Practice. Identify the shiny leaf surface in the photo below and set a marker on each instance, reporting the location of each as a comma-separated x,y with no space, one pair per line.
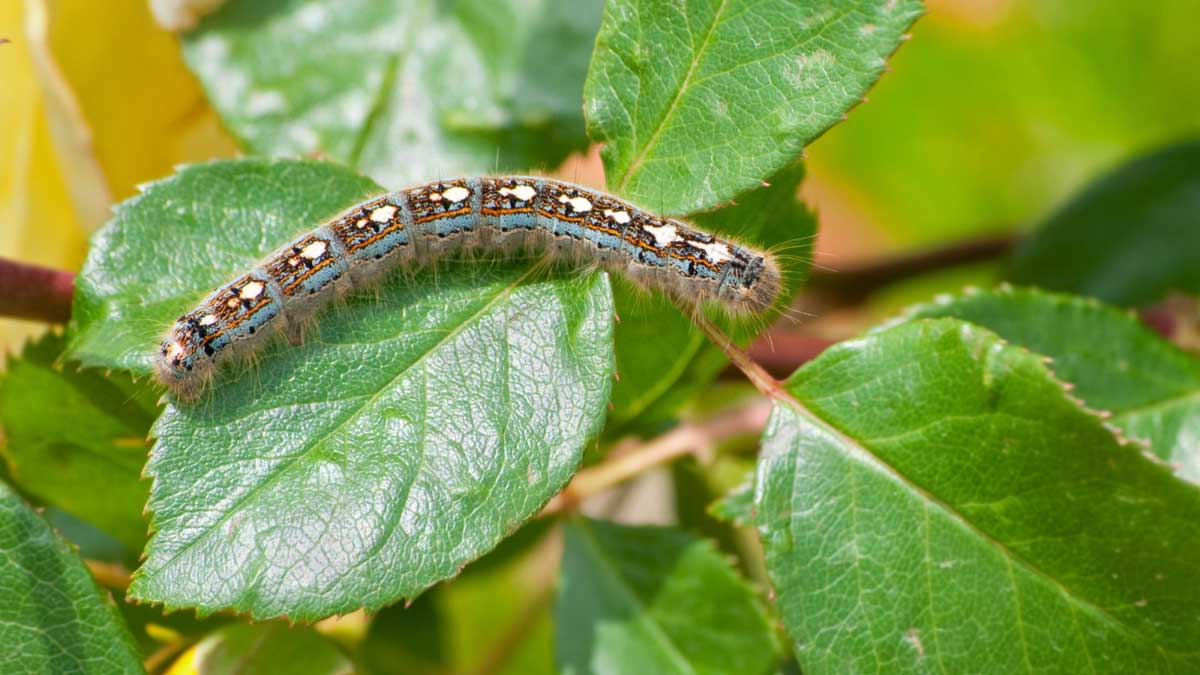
931,499
1116,364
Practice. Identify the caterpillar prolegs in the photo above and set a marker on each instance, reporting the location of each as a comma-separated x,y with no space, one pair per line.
417,225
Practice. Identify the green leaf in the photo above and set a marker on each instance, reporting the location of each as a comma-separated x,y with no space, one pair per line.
1116,364
698,489
77,440
475,410
268,649
737,506
402,91
662,358
412,431
655,600
699,100
88,540
53,619
931,499
1130,238
657,347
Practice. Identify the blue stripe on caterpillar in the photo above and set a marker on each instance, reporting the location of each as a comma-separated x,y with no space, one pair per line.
415,226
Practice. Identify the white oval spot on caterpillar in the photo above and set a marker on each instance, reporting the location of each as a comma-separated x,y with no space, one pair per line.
175,349
619,217
522,192
207,320
663,236
716,251
456,194
435,196
314,250
361,223
383,214
293,261
232,303
251,290
578,204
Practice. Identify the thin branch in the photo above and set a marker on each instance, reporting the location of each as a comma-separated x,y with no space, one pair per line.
853,285
781,351
687,438
108,574
760,378
35,292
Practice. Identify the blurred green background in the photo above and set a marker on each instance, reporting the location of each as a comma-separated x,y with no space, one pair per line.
997,111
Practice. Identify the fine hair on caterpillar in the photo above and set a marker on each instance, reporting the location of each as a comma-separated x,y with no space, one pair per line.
418,226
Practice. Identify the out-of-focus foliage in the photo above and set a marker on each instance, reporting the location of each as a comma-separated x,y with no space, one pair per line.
37,219
401,91
86,456
655,600
998,110
1130,238
263,649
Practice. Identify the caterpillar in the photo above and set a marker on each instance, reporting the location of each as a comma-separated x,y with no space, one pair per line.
417,225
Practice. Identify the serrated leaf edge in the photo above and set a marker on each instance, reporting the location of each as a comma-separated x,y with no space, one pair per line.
785,397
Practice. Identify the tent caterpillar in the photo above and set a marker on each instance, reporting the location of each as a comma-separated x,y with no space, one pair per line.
417,225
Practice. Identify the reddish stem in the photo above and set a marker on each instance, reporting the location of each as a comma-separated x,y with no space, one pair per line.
780,351
853,284
35,292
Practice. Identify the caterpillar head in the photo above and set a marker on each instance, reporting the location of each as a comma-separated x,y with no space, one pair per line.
757,283
181,362
762,284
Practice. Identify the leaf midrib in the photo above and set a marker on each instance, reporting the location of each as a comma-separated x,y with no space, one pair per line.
667,380
316,439
611,570
640,158
785,396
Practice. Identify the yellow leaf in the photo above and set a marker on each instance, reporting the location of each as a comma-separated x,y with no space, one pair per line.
38,222
97,100
143,109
